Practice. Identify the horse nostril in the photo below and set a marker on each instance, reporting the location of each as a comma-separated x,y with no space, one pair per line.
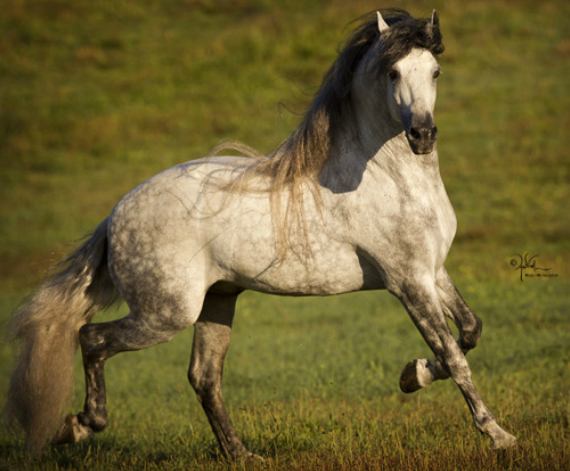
433,132
427,133
415,133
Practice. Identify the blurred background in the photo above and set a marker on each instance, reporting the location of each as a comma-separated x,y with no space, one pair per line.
97,96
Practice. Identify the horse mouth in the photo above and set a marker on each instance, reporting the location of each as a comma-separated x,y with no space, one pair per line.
422,148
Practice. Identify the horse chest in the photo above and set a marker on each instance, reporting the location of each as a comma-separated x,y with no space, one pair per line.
402,219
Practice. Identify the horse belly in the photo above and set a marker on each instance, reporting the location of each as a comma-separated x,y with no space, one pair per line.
248,257
296,279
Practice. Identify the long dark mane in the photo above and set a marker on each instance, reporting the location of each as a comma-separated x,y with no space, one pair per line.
301,157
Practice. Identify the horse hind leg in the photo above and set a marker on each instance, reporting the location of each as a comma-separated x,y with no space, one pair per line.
94,416
212,333
420,373
99,342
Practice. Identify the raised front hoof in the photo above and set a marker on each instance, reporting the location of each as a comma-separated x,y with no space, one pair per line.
72,431
416,375
409,382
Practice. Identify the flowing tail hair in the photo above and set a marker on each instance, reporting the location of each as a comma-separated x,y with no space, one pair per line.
47,328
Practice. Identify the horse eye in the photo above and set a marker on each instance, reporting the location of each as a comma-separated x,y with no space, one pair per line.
436,74
393,75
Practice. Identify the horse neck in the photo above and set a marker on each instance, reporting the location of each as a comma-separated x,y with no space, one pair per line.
370,141
373,125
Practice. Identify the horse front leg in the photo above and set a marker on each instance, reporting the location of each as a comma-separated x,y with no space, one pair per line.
422,372
212,334
421,299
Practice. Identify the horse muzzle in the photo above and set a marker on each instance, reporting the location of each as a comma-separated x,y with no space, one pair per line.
422,138
421,132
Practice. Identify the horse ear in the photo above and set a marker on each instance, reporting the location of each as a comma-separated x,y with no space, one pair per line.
434,32
382,25
434,20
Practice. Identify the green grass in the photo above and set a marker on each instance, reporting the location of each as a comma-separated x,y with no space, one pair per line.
312,384
95,97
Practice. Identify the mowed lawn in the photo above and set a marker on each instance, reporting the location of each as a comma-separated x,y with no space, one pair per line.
96,97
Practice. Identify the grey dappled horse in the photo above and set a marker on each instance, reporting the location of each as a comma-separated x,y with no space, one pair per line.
352,201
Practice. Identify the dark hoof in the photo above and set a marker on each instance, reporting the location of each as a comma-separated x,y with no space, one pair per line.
71,431
65,432
409,378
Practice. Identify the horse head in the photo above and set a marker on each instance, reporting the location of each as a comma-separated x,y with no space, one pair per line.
410,78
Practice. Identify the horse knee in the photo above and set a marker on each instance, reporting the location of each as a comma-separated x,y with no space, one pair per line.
93,339
211,341
206,384
194,378
200,376
470,334
88,339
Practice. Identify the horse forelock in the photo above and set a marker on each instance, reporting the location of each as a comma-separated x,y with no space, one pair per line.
404,34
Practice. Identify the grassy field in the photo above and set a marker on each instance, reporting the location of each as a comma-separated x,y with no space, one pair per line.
97,96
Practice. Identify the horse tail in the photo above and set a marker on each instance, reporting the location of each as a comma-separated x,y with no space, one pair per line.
47,328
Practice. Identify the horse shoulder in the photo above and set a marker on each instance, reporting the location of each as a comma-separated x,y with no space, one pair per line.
398,216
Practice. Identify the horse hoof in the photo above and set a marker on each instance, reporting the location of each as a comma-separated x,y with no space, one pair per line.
72,431
416,375
504,442
409,379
